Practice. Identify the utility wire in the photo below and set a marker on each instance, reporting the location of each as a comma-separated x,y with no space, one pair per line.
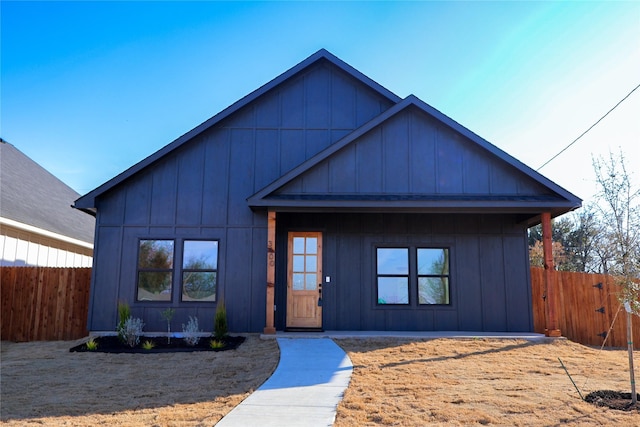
591,127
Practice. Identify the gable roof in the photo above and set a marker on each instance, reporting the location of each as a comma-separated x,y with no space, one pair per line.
87,202
32,196
554,197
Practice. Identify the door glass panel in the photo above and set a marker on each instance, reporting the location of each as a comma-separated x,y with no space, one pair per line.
312,245
298,245
310,284
298,281
298,263
312,263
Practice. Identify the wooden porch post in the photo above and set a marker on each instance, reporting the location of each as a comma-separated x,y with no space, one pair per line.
271,272
551,329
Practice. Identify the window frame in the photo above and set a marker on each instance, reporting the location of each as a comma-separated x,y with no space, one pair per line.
176,272
390,275
413,276
195,270
171,270
440,276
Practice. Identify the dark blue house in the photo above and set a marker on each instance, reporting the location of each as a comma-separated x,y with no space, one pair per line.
322,201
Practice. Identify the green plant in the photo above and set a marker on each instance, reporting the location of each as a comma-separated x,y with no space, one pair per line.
148,345
168,315
92,344
216,344
124,314
220,327
131,331
190,331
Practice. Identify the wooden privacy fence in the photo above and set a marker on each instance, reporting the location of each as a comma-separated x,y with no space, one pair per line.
41,303
587,307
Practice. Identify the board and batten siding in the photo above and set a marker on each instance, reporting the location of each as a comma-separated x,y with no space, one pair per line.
412,153
490,286
200,191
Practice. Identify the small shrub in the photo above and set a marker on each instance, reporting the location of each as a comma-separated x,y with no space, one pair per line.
131,331
220,327
216,344
124,314
92,344
190,331
148,345
168,315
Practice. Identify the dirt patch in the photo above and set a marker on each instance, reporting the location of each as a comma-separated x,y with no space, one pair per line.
45,384
395,382
112,344
613,400
487,382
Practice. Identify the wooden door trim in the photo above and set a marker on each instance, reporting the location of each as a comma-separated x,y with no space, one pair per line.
313,322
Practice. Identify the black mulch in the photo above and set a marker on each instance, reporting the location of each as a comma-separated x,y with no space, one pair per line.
112,344
612,399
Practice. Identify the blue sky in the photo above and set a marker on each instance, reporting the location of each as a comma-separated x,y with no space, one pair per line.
90,88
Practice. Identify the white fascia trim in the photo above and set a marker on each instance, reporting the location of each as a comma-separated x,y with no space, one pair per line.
42,232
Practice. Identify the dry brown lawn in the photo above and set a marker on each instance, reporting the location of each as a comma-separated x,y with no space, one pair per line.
395,382
44,384
480,382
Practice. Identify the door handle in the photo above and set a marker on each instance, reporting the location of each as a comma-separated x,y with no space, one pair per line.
319,294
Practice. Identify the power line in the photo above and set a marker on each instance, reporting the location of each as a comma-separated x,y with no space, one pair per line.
590,127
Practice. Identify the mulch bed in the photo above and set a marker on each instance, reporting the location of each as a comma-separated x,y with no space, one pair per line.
112,344
612,399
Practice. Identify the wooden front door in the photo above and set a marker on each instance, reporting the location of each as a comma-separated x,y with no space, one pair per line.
304,280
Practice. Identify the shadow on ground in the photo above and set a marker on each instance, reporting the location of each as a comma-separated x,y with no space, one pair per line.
43,379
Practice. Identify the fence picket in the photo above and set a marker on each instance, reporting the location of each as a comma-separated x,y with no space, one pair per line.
41,303
578,301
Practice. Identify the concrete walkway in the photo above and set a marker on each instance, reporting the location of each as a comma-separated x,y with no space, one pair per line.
305,389
337,335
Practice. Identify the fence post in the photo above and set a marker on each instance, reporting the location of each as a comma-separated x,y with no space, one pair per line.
551,329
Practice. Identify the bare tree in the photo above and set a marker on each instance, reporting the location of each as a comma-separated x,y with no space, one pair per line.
575,242
620,213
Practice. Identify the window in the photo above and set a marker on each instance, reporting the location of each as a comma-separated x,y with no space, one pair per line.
305,263
393,275
433,276
155,270
401,272
199,270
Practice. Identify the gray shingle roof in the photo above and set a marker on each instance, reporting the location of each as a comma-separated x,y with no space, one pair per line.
31,195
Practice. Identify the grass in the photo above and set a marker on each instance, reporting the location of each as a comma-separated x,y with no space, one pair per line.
92,345
479,382
44,384
148,345
216,344
395,382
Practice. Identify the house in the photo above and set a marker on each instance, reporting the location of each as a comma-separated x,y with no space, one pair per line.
38,227
322,201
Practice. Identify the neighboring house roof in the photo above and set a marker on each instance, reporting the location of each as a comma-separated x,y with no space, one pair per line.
33,199
87,202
